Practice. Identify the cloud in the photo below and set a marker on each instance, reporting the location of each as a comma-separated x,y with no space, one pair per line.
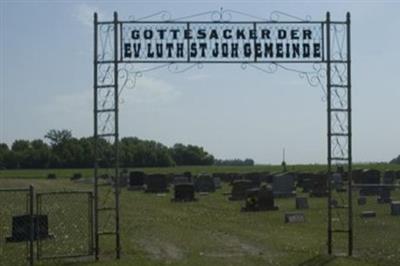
84,14
149,90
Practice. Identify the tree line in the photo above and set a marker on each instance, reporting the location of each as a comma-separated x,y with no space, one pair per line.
60,149
395,160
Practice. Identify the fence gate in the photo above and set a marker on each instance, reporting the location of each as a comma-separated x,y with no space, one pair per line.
66,221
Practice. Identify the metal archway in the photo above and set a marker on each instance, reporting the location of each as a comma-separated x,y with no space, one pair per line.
116,49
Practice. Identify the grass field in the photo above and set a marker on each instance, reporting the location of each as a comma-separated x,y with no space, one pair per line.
213,231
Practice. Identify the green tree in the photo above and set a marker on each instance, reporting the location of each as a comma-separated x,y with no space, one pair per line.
58,137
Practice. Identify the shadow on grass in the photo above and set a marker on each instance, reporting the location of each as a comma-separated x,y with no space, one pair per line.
318,260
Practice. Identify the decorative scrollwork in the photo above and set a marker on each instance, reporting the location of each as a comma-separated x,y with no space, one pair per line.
277,16
314,77
128,74
221,15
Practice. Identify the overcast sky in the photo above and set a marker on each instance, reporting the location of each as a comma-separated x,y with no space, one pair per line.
46,83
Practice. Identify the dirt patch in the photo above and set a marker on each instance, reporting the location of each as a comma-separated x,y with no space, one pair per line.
232,246
161,250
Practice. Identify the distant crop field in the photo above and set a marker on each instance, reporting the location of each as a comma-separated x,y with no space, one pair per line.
88,172
213,231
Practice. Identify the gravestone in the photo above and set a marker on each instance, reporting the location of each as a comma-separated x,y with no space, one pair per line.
233,177
265,177
294,217
76,176
370,177
204,183
319,186
188,175
362,201
259,199
136,180
222,176
368,214
217,182
301,203
184,192
239,188
356,175
254,178
389,177
395,208
180,180
300,178
21,226
156,183
283,185
384,195
337,182
307,185
122,181
51,176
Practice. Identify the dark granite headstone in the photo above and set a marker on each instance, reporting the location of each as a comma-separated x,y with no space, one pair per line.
76,176
307,185
395,208
370,177
188,175
283,185
337,182
239,188
51,176
319,186
21,226
255,178
301,179
122,181
301,203
389,177
384,195
357,175
156,183
136,180
181,180
184,192
259,199
204,183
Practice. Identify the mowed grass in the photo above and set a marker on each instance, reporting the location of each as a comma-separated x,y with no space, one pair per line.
213,231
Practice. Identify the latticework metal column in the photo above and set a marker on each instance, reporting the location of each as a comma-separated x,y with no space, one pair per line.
106,217
340,220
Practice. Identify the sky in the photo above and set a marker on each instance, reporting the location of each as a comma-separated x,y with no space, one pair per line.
46,82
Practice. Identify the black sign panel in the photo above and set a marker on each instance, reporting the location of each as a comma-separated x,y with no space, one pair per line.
221,42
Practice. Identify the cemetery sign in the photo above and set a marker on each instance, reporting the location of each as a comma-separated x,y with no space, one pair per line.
221,42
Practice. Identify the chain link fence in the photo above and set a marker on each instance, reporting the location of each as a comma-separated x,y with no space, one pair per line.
70,228
16,232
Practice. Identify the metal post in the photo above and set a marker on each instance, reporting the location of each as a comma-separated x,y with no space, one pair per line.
116,140
96,222
328,87
349,143
32,225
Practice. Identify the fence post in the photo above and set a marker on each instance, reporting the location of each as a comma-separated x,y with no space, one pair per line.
32,225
